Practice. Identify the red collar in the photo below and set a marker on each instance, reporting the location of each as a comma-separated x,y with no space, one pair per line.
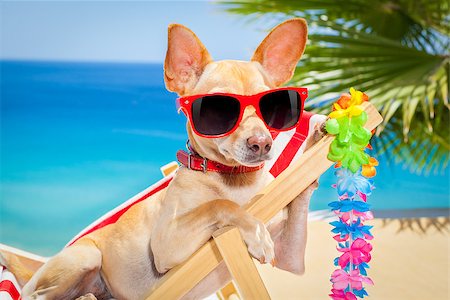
197,163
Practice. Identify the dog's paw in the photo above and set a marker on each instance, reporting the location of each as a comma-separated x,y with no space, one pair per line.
313,186
316,135
259,243
319,131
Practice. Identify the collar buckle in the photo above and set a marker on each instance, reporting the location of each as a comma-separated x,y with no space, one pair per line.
204,165
189,161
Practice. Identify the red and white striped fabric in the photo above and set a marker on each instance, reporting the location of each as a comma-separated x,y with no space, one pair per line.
288,146
9,288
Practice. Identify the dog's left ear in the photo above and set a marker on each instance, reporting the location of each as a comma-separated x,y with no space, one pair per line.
282,48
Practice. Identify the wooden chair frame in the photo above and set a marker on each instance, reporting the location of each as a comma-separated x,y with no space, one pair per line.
265,205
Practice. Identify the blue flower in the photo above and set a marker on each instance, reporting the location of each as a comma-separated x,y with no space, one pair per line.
362,268
360,293
336,261
349,183
348,205
355,230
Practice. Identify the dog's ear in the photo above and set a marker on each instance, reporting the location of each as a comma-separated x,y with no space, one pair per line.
186,59
281,50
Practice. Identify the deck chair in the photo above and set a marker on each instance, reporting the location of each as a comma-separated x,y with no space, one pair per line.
293,172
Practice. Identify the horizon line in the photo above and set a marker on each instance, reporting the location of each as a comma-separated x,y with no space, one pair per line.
86,61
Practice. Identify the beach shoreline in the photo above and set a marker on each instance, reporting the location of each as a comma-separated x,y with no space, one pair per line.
326,214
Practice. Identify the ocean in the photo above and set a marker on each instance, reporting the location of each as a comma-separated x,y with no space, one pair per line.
78,139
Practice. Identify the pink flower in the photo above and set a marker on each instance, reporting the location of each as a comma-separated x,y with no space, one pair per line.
338,238
362,196
341,295
341,280
358,252
345,216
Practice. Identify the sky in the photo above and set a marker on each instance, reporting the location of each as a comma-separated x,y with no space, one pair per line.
119,31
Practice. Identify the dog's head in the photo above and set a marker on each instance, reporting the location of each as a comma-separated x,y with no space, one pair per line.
190,70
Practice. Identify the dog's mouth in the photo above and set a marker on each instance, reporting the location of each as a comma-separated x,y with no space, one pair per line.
247,158
251,162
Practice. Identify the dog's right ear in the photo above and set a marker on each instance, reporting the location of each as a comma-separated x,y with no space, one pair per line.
186,59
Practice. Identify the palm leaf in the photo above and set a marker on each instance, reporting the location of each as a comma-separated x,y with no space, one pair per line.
404,67
424,151
406,84
391,18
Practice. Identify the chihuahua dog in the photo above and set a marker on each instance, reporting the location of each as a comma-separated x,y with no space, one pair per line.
125,259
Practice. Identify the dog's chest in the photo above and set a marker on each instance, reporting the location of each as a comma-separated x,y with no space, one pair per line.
242,194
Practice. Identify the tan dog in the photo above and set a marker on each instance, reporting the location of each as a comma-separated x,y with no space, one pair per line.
124,260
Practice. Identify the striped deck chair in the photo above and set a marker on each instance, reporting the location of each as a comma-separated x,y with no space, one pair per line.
9,287
288,146
288,165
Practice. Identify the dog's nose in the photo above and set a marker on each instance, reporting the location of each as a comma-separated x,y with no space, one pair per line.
259,144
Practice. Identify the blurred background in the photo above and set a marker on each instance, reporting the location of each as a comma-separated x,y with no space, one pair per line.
86,122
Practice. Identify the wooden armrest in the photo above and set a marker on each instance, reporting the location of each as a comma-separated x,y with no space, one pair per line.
240,264
298,176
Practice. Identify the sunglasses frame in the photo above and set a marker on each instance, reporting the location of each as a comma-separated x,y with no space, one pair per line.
184,104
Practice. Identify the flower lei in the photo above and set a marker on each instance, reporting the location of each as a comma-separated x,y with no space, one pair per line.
354,167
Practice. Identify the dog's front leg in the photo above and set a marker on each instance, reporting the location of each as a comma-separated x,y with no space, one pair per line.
176,238
290,235
290,243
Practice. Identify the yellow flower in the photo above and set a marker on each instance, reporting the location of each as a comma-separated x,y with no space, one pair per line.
349,105
356,96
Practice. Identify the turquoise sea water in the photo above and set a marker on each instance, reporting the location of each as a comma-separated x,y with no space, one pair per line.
77,139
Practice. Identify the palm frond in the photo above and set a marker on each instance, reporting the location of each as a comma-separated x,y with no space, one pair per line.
405,83
391,18
396,50
425,151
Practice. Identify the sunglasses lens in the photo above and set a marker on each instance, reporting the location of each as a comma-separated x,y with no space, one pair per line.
281,109
215,115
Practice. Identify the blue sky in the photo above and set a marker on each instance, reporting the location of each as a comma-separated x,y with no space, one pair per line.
119,31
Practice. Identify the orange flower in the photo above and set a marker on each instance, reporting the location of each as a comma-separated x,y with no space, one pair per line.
344,101
369,169
365,97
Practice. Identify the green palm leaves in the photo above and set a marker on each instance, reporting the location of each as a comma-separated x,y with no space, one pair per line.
397,51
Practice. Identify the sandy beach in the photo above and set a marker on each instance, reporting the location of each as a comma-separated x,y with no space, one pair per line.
410,260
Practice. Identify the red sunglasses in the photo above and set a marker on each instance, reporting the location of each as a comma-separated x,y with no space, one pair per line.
219,114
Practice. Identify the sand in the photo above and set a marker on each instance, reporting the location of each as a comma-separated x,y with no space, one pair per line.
410,260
